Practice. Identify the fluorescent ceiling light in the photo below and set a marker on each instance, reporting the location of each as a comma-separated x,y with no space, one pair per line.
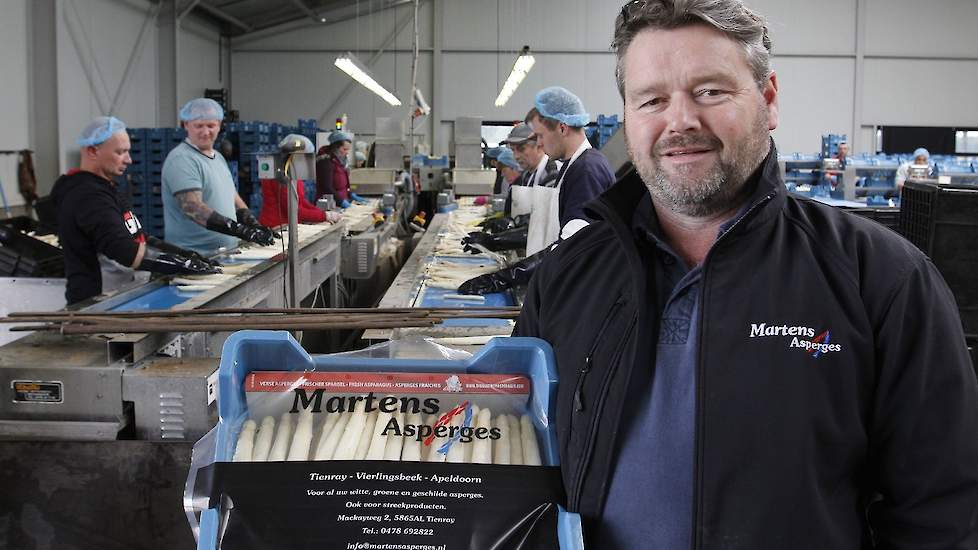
522,66
350,65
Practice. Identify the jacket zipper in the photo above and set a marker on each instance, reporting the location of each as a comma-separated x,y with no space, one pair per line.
579,390
694,542
599,404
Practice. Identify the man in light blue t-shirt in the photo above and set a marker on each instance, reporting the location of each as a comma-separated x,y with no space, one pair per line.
201,209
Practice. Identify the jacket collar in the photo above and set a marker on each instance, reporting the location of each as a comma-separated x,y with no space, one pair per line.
618,204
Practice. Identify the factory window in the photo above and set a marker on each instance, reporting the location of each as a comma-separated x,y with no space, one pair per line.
495,132
966,142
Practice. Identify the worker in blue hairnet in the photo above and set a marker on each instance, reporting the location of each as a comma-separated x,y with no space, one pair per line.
558,119
332,176
97,230
921,158
201,208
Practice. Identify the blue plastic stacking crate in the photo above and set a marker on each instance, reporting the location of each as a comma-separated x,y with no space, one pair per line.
248,351
609,120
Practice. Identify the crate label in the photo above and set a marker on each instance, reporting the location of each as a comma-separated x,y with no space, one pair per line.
35,391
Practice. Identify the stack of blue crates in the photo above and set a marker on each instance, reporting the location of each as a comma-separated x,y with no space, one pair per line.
149,147
607,126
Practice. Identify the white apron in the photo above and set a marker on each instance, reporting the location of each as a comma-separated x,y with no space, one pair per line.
522,200
544,228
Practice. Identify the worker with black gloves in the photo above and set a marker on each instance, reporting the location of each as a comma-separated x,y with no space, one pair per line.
557,119
202,211
510,239
513,275
95,224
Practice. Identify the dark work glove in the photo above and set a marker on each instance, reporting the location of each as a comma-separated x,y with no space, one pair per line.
497,225
245,216
518,273
174,249
506,240
251,233
166,263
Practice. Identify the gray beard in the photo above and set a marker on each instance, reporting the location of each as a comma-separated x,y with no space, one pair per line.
716,192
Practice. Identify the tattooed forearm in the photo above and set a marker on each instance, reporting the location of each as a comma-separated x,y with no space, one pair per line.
192,204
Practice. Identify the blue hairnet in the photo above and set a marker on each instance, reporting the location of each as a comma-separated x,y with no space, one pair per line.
506,158
358,155
201,108
921,151
561,105
338,136
99,130
494,152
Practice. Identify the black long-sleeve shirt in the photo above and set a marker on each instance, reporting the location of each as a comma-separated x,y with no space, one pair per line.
92,219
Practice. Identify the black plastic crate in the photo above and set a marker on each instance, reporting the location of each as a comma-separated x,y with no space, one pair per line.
888,217
942,220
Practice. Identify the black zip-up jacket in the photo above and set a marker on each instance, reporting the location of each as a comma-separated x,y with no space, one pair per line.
836,405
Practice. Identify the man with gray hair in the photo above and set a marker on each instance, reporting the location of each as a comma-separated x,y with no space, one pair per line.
754,370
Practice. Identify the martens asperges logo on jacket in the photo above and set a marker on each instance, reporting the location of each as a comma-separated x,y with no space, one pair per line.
807,339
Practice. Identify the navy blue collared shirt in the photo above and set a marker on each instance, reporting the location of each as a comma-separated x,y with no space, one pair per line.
650,498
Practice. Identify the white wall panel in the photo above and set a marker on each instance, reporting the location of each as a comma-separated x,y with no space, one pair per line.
199,65
800,27
106,31
14,97
904,92
543,25
937,28
815,98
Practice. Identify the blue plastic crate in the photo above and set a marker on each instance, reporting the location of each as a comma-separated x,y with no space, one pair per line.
248,351
609,120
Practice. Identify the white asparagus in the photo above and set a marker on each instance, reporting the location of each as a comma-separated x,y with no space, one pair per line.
531,451
327,449
501,447
411,452
324,430
392,450
482,448
302,440
378,439
470,446
456,453
283,439
363,445
347,447
436,443
515,440
246,442
263,443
